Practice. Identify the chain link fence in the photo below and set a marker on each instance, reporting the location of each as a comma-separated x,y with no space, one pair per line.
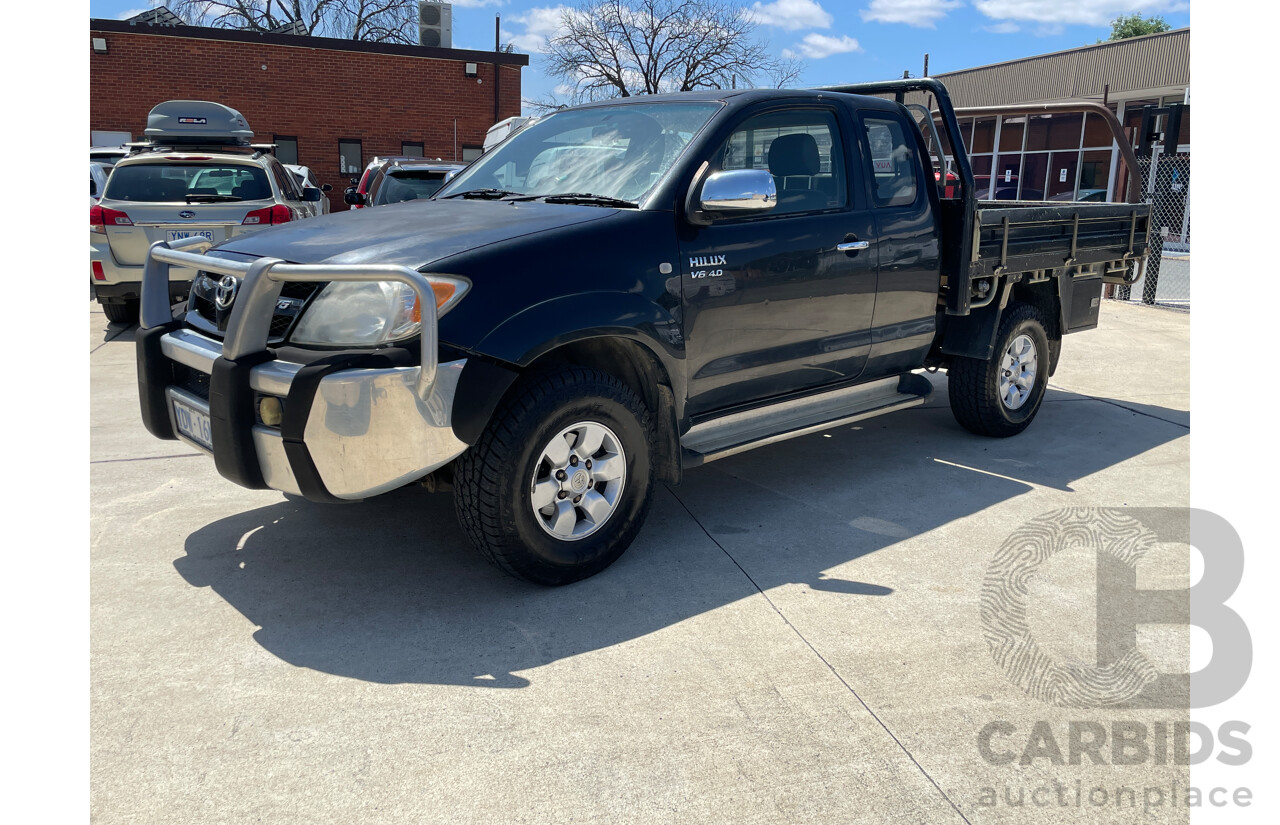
1166,281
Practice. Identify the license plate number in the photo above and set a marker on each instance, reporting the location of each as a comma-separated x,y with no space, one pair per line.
193,423
179,234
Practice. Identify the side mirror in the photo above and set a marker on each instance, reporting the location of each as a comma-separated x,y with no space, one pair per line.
353,198
324,187
736,192
310,194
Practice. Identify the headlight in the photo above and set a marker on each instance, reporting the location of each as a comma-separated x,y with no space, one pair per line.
369,313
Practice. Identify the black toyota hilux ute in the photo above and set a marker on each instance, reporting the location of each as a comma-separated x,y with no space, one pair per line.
618,293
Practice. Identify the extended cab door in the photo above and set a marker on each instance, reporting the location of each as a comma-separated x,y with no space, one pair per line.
899,188
771,306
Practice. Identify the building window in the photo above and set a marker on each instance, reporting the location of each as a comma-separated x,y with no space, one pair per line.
1097,134
1062,175
1055,131
350,157
1012,130
1095,166
286,149
411,150
470,153
984,136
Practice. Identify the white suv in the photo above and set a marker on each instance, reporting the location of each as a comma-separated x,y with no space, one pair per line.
198,175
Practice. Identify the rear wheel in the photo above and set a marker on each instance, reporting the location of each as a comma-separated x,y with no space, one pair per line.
1000,396
560,481
123,313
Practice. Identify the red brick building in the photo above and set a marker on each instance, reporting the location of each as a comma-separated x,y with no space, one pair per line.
335,104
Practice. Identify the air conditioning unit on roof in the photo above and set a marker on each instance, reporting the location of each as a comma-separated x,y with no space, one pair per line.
435,24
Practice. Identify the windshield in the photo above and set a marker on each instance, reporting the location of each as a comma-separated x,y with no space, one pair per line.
611,151
177,182
408,185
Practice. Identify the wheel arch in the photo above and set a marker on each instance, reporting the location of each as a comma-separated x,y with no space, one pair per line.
642,370
974,335
622,334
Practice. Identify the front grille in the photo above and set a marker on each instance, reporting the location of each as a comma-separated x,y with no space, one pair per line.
293,298
193,381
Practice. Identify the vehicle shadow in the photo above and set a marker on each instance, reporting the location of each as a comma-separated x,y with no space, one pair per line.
104,331
390,591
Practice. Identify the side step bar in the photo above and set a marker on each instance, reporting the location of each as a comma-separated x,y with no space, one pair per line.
741,431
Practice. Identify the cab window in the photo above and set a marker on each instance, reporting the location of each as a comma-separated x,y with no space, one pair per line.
800,149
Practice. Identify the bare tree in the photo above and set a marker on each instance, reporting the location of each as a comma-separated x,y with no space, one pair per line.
620,48
388,21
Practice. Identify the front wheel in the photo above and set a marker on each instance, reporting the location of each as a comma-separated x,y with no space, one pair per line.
1000,396
559,483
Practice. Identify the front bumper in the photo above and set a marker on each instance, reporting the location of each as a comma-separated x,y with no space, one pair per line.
354,425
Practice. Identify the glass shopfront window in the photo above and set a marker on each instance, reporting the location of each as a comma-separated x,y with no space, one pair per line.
1057,131
1062,175
1035,166
1095,168
981,175
1097,134
1052,156
1011,129
1008,173
984,135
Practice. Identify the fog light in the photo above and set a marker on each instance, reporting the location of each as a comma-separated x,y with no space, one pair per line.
271,411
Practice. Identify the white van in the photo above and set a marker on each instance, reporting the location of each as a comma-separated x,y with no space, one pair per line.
499,131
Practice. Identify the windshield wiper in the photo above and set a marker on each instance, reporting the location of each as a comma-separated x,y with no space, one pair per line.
581,197
212,198
487,194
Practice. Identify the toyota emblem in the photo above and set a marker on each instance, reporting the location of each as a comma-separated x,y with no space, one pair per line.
186,213
226,293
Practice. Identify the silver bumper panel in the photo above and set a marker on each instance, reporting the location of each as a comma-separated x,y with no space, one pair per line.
367,432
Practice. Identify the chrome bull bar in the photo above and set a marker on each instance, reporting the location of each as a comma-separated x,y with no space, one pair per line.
261,281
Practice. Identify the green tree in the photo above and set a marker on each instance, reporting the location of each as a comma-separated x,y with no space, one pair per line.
1135,25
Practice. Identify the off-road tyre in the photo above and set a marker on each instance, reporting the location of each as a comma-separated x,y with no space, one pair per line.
493,480
126,313
973,385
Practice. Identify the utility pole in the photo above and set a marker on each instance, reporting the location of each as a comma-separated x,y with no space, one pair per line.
497,68
926,65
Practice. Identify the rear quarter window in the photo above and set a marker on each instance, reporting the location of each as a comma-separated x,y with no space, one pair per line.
894,181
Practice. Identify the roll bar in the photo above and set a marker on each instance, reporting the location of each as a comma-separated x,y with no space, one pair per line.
1072,107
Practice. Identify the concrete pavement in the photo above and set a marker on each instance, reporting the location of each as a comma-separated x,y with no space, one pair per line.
795,636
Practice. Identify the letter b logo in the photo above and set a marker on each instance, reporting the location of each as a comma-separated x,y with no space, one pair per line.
1122,676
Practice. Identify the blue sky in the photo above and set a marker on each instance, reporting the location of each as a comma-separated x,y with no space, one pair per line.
839,40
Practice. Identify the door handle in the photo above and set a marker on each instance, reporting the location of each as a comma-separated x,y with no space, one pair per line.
853,246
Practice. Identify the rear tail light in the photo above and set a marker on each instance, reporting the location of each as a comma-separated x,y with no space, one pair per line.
268,216
98,274
101,217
